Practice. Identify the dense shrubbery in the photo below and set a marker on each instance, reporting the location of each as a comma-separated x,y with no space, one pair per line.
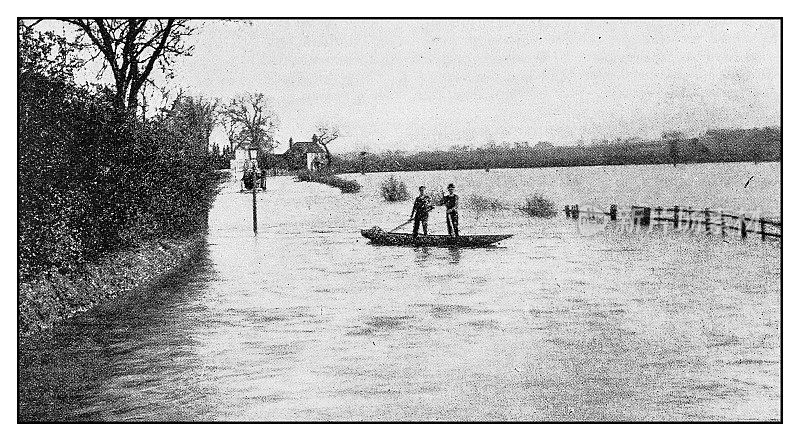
93,180
483,203
538,206
347,186
303,176
394,190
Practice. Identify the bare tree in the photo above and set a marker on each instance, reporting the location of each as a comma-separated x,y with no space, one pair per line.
132,48
249,119
326,133
231,128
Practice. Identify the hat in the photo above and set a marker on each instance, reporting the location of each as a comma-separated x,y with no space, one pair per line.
451,186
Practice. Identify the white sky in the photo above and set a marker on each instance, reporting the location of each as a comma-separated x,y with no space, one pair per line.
417,85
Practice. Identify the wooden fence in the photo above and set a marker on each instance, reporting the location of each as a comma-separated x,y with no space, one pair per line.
678,217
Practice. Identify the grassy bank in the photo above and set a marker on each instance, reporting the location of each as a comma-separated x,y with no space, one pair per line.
52,296
347,186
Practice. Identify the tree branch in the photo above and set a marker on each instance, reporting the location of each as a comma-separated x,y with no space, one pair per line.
156,53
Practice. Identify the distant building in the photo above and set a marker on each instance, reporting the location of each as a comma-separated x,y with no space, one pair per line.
308,155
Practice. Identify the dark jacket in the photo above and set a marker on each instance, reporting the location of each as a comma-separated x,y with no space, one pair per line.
422,205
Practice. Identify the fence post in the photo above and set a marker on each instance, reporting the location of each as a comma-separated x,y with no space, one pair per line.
675,216
761,224
722,222
645,216
707,213
612,212
566,210
743,225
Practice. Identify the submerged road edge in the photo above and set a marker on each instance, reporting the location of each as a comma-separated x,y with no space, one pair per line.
52,297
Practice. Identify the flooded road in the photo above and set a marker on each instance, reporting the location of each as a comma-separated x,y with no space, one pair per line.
307,321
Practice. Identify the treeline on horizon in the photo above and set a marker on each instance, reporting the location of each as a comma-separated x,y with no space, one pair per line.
717,145
95,176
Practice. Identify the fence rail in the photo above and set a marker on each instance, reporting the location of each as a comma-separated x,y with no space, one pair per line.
692,217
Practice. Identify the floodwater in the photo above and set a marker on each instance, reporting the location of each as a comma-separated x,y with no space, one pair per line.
308,321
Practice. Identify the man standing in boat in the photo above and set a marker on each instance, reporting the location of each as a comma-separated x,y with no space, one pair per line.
422,205
450,201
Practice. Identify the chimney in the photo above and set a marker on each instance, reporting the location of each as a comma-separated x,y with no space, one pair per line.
290,143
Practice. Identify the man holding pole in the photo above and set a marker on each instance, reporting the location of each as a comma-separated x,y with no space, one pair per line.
422,205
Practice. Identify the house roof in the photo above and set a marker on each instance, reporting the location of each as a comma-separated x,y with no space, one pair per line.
307,147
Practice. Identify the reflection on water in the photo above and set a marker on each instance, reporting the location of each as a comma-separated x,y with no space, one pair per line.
455,254
423,255
73,372
308,322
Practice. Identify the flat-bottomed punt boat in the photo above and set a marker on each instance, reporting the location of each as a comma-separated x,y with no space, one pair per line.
379,237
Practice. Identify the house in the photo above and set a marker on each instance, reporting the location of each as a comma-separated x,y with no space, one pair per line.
308,155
